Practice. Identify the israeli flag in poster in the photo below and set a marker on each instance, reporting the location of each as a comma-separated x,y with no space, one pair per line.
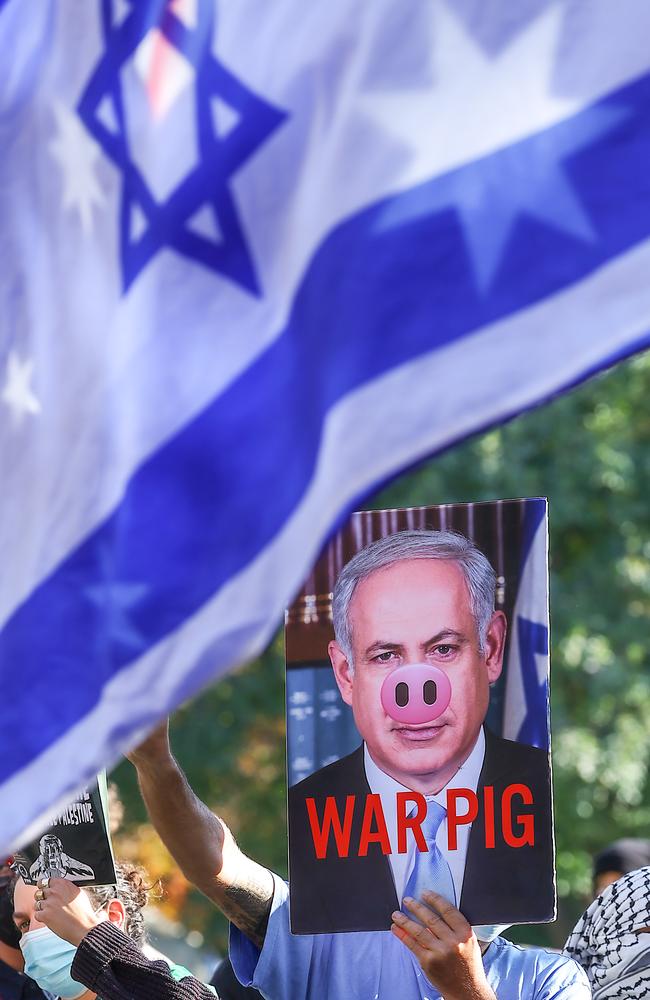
257,258
527,702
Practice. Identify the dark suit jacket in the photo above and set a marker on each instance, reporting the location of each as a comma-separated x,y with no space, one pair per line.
502,885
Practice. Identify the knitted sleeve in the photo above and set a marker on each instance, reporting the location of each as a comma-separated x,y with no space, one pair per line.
110,964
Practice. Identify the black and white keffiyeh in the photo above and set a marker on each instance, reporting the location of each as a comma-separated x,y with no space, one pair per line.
607,941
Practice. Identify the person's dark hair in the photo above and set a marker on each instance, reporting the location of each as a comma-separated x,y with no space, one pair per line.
133,892
622,856
9,933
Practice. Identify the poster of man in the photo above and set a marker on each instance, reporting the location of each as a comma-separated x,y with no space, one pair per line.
76,845
53,862
435,628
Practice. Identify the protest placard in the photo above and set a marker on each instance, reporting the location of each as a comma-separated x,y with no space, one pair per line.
76,844
418,719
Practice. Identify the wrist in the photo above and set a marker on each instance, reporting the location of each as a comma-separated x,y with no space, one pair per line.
485,993
473,985
77,934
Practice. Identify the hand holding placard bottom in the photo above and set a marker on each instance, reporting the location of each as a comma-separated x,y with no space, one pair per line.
430,869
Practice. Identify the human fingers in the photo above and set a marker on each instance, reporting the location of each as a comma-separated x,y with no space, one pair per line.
59,896
67,911
422,954
416,932
43,883
46,911
430,918
451,916
62,890
406,931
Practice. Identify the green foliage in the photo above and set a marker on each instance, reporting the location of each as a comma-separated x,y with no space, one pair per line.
589,452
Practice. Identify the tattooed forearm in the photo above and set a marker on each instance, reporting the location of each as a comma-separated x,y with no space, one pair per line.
201,843
248,903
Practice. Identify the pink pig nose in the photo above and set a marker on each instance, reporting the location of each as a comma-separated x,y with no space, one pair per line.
415,693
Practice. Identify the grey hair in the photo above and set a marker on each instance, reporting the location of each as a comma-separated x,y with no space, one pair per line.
448,545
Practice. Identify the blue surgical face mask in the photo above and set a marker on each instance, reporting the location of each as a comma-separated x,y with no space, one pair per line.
488,932
48,960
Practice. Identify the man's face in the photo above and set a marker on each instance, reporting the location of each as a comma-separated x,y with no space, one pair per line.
51,849
418,611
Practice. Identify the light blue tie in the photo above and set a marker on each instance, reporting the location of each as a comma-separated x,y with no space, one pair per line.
430,870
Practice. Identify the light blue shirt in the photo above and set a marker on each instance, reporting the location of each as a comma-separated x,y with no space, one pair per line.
374,965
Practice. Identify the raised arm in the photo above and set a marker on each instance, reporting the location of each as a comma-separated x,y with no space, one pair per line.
201,843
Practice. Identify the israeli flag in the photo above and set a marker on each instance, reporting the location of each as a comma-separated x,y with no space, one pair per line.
526,714
256,258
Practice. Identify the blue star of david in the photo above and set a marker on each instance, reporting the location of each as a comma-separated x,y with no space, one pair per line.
529,177
206,186
116,601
